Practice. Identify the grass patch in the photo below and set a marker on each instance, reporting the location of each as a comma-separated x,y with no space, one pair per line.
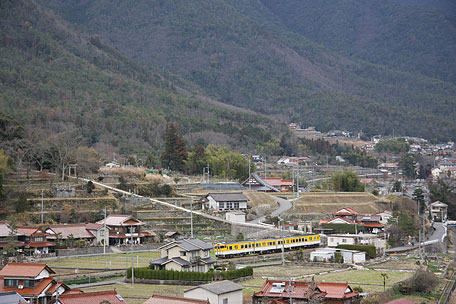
117,260
361,277
91,280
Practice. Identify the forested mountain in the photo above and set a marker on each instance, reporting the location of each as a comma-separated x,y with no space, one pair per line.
54,78
371,66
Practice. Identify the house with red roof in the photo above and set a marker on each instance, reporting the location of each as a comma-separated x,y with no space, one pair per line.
9,237
347,215
96,297
35,241
124,229
32,281
92,233
303,291
279,183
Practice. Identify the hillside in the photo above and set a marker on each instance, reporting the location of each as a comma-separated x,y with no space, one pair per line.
54,78
270,57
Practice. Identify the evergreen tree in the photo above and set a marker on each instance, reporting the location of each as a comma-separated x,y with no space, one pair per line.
346,181
418,196
407,164
175,151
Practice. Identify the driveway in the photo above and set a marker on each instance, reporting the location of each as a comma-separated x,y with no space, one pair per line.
284,205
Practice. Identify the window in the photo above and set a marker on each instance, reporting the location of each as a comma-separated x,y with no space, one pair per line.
242,246
29,283
236,205
11,282
344,240
102,232
231,247
183,253
225,301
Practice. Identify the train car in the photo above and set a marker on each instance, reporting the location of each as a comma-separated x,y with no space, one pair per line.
226,250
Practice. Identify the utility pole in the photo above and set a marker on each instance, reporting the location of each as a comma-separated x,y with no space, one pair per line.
264,161
42,206
104,232
297,183
250,188
283,252
289,289
191,218
132,257
293,179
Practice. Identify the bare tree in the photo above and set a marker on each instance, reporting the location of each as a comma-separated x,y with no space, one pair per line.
62,150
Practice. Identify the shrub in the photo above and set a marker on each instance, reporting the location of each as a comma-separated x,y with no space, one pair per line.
369,249
423,281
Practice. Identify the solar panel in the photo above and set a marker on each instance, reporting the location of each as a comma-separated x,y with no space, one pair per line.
119,297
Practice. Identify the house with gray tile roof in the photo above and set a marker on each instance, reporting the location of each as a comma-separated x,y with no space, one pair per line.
227,201
217,292
11,297
255,182
185,255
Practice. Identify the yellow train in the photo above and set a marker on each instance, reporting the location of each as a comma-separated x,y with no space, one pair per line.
226,250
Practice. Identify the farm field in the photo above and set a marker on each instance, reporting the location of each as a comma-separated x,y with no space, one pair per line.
118,260
329,202
363,277
400,263
279,272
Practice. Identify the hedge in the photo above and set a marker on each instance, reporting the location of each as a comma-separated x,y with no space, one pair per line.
344,228
369,249
151,274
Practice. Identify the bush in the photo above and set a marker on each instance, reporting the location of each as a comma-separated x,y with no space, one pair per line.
369,249
151,274
338,257
343,228
423,281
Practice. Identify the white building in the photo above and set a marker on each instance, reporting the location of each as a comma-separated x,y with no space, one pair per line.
358,239
221,292
385,216
227,201
327,254
235,216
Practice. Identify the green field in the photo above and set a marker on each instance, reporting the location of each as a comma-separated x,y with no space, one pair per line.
102,261
363,277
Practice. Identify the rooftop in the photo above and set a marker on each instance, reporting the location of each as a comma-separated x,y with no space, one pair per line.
96,297
120,220
219,288
78,231
229,197
29,270
158,299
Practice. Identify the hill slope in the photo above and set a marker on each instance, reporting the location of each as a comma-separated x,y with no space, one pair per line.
55,78
260,55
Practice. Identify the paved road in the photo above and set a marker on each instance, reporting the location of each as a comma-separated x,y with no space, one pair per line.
437,236
98,283
284,205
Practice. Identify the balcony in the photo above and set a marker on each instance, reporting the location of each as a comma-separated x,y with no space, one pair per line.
195,259
134,234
